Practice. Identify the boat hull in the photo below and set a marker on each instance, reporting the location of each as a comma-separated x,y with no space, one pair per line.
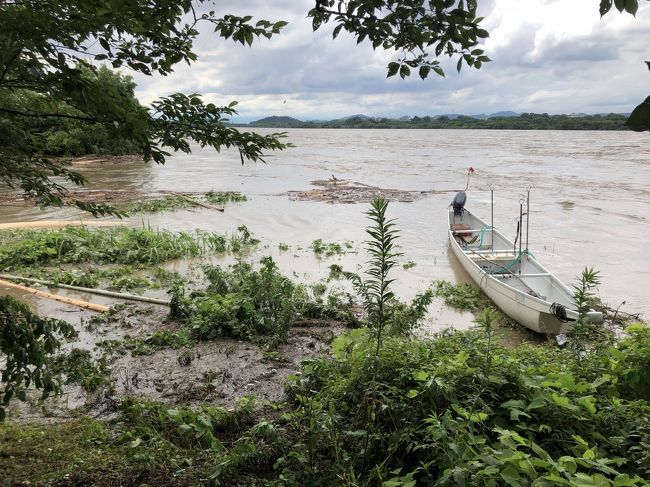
519,286
523,309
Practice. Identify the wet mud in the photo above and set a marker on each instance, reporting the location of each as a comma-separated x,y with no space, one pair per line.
216,372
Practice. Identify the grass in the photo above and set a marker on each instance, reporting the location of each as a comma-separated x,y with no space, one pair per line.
159,205
88,452
119,245
179,202
222,197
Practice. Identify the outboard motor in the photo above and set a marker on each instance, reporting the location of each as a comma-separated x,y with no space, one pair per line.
459,203
461,196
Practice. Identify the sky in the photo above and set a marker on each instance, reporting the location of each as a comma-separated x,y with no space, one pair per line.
548,56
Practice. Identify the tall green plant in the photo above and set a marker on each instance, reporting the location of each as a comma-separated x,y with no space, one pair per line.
584,298
375,290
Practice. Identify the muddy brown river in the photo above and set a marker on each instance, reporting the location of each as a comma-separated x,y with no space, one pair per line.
590,200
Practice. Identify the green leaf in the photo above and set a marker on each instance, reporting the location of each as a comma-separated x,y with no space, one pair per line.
392,69
605,6
631,6
620,5
639,120
421,376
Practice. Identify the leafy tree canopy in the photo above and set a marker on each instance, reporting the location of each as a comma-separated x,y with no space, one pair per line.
47,50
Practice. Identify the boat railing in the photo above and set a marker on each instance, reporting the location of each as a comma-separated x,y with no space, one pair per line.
498,252
540,274
460,231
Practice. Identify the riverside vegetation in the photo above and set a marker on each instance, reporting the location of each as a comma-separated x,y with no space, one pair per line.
382,408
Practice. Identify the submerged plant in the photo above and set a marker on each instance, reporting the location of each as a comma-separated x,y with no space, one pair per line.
464,296
120,245
158,205
221,197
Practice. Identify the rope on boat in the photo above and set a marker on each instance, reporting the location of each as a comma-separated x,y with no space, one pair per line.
483,230
506,268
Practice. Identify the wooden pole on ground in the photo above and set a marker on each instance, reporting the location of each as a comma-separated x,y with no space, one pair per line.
90,290
57,297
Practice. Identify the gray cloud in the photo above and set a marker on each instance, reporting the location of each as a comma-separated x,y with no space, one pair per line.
309,75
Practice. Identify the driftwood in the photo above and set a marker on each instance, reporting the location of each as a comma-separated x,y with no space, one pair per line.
198,203
57,297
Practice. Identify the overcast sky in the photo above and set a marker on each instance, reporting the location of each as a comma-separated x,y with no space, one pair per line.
553,56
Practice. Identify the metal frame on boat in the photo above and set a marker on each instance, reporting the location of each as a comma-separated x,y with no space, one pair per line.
511,276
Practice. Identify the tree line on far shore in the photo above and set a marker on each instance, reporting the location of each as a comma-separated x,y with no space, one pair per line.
525,121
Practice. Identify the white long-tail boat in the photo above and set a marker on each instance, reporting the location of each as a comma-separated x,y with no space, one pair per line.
511,277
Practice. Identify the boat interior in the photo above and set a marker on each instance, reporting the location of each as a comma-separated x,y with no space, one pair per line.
502,259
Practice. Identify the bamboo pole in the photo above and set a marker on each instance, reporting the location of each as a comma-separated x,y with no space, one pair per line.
57,297
60,224
101,292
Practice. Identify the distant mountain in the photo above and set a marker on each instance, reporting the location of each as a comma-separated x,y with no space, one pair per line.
503,114
277,121
450,116
359,116
504,120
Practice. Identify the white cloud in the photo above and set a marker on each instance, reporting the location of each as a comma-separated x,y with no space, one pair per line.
548,56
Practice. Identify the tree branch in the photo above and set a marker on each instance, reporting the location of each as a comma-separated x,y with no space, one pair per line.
9,63
38,115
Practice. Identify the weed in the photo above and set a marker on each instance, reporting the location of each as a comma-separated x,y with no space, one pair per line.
121,245
328,249
159,205
274,356
462,410
222,197
79,367
465,297
583,329
242,240
167,278
149,344
244,303
408,265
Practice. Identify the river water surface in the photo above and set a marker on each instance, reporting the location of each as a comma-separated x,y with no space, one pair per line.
590,200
